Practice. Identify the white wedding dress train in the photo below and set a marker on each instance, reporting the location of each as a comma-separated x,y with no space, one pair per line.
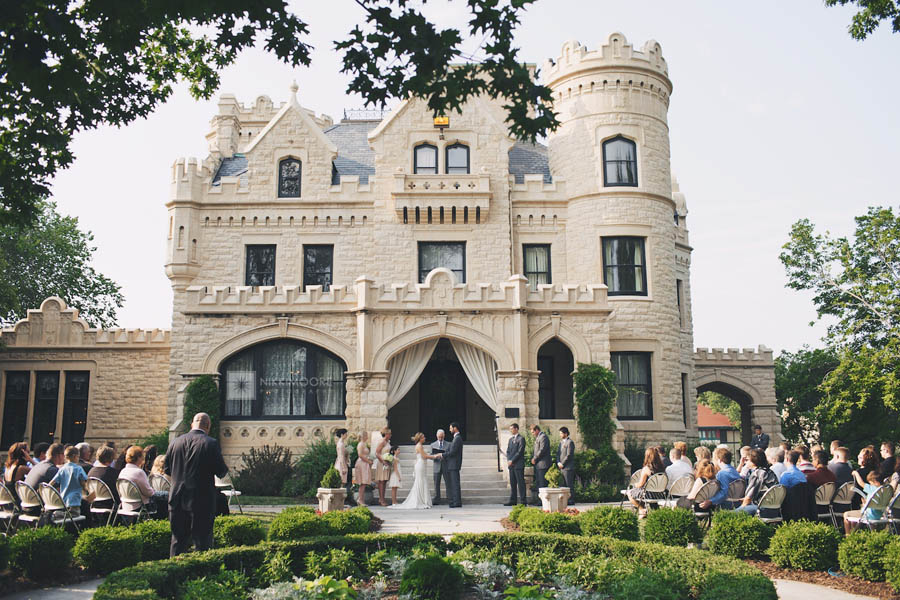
419,495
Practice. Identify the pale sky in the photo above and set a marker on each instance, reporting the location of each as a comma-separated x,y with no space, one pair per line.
776,115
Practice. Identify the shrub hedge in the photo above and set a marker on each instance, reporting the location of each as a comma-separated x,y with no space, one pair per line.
611,522
738,534
238,530
432,577
863,553
103,550
534,519
38,553
805,545
4,552
156,536
892,564
672,527
300,522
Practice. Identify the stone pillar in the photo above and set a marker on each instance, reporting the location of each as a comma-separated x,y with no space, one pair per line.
366,401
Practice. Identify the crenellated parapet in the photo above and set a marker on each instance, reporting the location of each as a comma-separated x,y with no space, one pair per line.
190,178
439,292
712,357
55,325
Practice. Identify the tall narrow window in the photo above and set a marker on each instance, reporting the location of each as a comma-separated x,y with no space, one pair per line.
75,406
457,162
633,380
260,265
289,172
15,410
450,255
684,396
546,400
46,399
317,265
679,295
620,162
425,160
537,264
625,266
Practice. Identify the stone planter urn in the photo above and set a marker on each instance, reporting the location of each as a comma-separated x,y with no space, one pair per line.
554,499
331,499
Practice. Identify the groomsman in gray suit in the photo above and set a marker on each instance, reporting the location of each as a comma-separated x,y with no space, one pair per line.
541,460
566,461
440,467
515,460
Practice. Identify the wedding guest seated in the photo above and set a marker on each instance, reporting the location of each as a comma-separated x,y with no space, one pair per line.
17,466
744,465
760,479
832,449
792,475
888,462
150,453
159,468
725,475
682,446
662,455
843,472
704,472
39,453
678,468
46,469
805,463
134,472
822,474
702,452
895,476
872,484
86,456
652,464
106,473
775,456
70,479
868,462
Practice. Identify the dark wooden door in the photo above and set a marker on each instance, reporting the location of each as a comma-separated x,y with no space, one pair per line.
442,397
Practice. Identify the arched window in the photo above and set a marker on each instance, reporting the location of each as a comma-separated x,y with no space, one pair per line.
457,159
283,379
556,364
289,171
425,159
620,162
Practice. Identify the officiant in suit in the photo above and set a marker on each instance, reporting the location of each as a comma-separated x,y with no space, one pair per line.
438,447
453,459
540,460
515,460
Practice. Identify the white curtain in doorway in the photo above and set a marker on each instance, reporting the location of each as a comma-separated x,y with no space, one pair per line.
481,369
404,370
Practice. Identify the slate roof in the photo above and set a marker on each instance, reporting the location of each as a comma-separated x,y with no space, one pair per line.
356,158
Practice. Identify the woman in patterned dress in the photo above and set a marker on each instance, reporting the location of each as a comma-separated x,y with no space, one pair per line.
382,467
362,470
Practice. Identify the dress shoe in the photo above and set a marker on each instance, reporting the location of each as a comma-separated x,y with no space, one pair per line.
509,504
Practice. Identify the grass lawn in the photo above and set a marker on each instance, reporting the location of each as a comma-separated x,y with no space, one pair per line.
272,500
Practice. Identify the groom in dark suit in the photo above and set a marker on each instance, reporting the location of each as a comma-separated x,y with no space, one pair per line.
452,457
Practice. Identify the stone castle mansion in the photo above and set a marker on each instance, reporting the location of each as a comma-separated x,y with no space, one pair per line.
407,271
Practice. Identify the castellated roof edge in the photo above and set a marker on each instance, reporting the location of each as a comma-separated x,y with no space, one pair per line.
615,53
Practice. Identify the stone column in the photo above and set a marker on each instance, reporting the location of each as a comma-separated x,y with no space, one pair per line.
366,400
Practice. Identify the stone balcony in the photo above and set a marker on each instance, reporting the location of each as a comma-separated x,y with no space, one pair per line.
442,199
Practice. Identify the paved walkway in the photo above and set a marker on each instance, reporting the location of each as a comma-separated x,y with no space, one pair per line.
797,590
78,591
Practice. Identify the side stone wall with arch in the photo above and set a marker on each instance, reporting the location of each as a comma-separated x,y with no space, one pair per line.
746,376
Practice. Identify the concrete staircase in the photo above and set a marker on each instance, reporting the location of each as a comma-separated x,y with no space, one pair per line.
479,479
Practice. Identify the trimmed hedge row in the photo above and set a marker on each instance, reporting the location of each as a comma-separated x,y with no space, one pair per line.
301,521
602,520
739,535
161,579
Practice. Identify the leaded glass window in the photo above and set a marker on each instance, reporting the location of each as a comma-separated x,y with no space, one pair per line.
260,265
633,380
620,162
15,408
318,261
457,162
425,160
283,379
625,266
75,405
289,172
449,255
46,400
537,264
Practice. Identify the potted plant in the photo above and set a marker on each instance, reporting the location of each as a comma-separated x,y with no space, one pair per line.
331,495
554,498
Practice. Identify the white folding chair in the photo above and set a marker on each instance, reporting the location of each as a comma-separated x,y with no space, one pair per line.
633,481
31,504
9,511
54,506
706,491
160,483
129,492
824,494
893,513
737,489
879,501
224,485
680,488
843,502
655,489
772,499
102,493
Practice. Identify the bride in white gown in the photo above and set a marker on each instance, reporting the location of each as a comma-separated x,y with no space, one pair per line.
419,496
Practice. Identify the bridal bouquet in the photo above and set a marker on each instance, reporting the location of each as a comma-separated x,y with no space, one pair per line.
387,457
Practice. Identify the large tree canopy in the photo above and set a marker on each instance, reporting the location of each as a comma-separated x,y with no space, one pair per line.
871,14
798,377
70,66
52,257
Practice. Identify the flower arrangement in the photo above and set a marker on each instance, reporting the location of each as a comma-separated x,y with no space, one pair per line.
387,457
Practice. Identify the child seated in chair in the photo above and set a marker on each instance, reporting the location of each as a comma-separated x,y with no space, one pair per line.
873,482
71,480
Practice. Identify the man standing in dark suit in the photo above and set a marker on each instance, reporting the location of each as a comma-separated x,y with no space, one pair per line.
438,447
566,461
759,440
541,460
515,461
453,457
193,460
